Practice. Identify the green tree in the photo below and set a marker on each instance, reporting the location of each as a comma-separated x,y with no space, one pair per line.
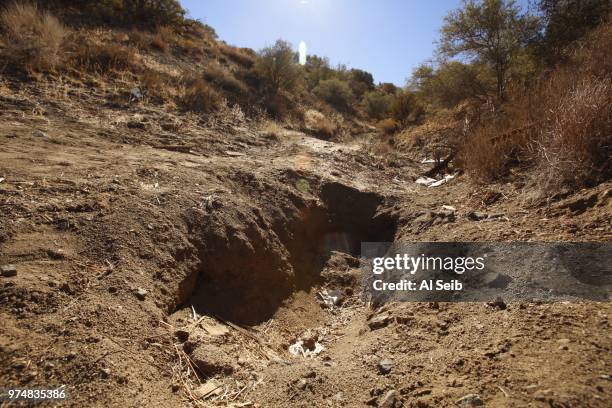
452,82
376,104
336,92
277,68
360,82
491,31
316,70
405,108
567,21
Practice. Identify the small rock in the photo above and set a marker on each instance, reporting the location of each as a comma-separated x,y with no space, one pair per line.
141,293
498,303
302,384
476,216
136,93
378,322
208,389
470,400
8,270
39,133
309,340
66,288
19,364
211,359
105,372
389,400
385,365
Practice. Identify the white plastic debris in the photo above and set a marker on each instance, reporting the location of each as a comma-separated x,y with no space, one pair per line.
445,180
330,298
136,93
425,181
299,349
429,161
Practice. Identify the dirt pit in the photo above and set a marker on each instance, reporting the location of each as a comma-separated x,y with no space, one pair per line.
251,261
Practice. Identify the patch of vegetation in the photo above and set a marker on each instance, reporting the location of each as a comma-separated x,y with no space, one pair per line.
335,92
32,39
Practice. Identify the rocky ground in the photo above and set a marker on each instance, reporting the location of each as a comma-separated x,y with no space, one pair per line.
163,260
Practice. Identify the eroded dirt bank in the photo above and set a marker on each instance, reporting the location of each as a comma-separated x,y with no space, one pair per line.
153,276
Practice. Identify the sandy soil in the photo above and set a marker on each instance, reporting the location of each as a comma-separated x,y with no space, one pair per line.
165,261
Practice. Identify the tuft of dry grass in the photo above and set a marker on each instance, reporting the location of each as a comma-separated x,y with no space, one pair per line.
577,144
241,56
32,38
156,85
163,39
190,48
388,126
224,79
158,43
102,57
198,96
318,124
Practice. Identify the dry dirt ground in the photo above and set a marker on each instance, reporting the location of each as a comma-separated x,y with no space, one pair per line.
166,261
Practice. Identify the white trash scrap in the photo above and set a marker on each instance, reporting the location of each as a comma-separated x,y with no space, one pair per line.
330,298
430,182
299,349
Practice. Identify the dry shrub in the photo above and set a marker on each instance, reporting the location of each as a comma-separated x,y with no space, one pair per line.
276,106
198,96
273,130
486,154
158,43
163,39
156,85
577,144
561,124
388,126
102,58
32,38
224,79
190,48
320,125
241,56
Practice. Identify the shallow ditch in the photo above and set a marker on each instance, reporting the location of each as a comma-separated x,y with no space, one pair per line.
253,258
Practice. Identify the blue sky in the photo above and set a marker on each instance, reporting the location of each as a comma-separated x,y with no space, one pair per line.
388,38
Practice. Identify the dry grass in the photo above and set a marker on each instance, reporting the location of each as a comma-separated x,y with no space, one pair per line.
224,79
241,56
388,126
198,96
577,144
318,124
102,58
32,38
158,43
561,125
273,130
157,86
190,48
